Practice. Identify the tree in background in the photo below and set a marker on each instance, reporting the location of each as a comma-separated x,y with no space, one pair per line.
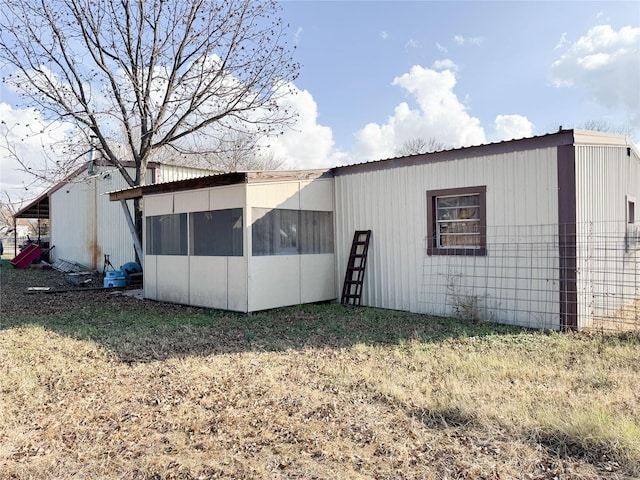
167,75
606,126
419,145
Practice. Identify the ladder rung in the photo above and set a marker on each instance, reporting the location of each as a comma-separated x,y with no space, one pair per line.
357,255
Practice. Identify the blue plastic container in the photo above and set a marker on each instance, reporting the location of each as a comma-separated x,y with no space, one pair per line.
114,278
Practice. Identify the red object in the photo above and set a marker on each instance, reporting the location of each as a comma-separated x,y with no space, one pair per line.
26,256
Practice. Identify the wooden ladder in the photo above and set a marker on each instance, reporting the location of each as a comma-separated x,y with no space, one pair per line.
352,289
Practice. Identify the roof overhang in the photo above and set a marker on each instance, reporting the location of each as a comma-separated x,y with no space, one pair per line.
38,208
219,180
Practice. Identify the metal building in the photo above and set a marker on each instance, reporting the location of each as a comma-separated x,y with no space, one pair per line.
540,232
84,224
525,232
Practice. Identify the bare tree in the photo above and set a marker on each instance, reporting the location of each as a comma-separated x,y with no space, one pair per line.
419,145
239,152
9,205
176,74
607,126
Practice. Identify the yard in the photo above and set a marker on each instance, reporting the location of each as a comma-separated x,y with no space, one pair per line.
99,385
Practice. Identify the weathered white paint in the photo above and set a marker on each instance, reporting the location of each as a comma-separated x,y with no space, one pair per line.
237,287
172,277
317,195
274,281
150,283
222,198
159,205
275,195
521,190
86,225
208,282
194,201
317,278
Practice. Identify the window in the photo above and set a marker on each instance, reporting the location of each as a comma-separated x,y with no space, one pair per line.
167,234
457,221
632,232
291,232
217,233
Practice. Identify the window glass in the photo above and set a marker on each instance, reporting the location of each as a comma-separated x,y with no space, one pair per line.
167,234
458,222
217,233
291,232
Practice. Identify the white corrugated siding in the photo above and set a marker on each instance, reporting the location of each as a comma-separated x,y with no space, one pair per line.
521,191
85,225
113,234
607,275
73,227
171,173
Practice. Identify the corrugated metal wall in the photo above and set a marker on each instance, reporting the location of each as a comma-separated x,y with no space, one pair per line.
85,225
113,234
171,173
73,223
521,190
606,178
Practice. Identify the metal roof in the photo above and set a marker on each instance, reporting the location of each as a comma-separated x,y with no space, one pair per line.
218,180
38,208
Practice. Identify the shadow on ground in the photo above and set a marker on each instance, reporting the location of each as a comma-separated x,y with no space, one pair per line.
144,330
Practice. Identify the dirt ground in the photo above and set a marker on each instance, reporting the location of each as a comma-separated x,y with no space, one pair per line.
25,294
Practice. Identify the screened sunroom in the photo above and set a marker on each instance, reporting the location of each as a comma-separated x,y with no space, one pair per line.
240,241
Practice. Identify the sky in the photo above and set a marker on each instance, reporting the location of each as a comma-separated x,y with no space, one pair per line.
377,73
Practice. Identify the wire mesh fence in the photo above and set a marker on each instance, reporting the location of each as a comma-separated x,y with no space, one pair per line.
578,276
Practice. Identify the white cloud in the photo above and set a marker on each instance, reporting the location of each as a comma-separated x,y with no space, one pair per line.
34,141
413,44
308,144
605,64
445,64
461,40
298,35
384,35
440,115
562,42
441,48
509,127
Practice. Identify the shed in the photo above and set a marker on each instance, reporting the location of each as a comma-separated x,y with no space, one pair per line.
539,232
84,225
239,241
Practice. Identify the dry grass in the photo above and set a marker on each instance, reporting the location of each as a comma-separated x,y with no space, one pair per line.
99,386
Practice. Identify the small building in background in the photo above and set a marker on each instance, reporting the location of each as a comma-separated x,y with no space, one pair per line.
84,225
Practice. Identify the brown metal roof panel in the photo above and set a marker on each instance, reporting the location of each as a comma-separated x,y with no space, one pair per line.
563,137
